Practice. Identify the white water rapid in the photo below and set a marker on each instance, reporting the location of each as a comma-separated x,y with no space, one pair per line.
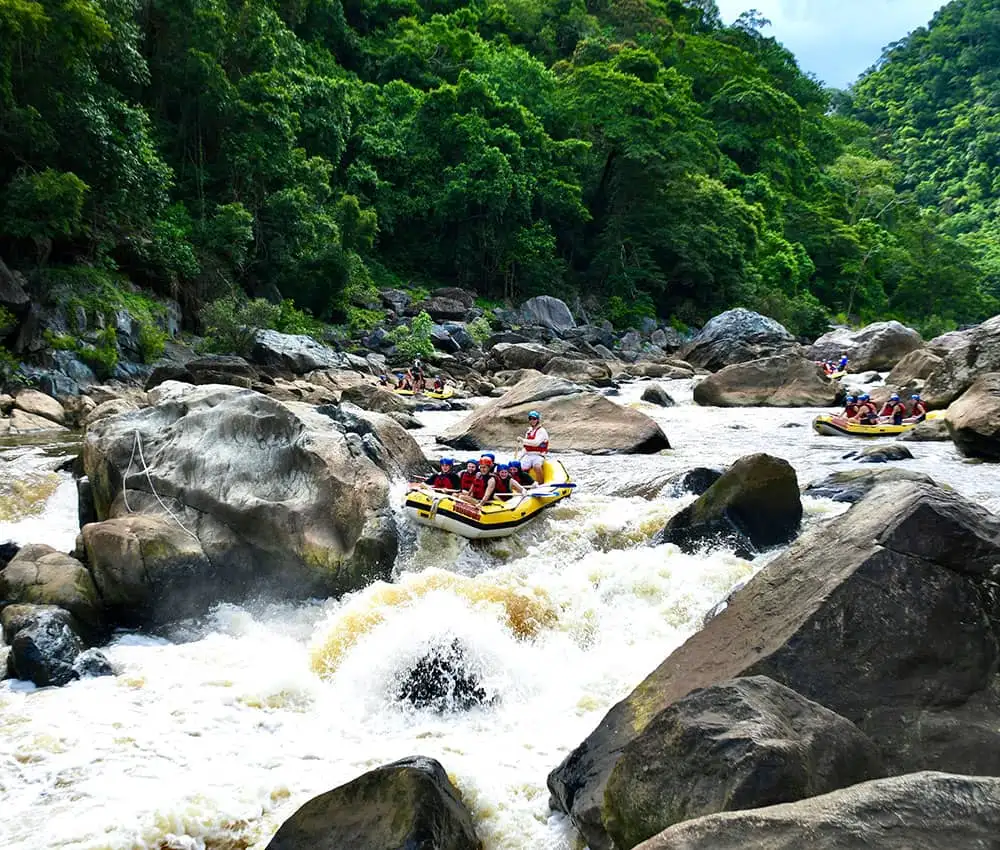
213,734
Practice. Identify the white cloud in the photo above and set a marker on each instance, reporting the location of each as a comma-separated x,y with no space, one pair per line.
836,39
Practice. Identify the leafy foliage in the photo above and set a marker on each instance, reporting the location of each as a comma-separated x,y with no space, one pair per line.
638,153
231,323
414,340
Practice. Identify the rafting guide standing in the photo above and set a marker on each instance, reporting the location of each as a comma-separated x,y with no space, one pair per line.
536,446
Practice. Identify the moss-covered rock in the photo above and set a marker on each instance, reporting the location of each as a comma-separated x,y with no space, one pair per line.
753,506
737,745
409,803
888,617
921,811
40,575
263,496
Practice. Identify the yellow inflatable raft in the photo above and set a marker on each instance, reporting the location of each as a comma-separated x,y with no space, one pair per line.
447,392
497,518
838,426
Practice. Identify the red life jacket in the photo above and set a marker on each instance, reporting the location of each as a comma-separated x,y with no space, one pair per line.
850,410
467,479
443,481
542,449
919,408
503,484
478,490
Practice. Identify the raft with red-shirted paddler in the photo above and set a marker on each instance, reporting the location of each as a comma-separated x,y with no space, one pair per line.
499,517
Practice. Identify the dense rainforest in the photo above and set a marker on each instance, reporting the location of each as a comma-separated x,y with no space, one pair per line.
637,155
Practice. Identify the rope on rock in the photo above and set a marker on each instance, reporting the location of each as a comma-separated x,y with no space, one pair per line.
137,446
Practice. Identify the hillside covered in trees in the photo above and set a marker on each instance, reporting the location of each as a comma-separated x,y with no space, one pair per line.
933,105
634,153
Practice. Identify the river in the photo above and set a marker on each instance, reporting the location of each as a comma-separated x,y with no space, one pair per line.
214,733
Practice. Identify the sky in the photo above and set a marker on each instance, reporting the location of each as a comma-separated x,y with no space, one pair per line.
837,40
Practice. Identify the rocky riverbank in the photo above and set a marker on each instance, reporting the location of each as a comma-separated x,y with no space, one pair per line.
224,479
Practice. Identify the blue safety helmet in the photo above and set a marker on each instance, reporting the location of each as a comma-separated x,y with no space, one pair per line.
534,414
863,397
894,397
915,397
514,464
473,461
490,455
399,374
447,461
849,398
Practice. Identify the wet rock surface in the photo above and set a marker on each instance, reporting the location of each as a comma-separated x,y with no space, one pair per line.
740,744
889,617
921,811
410,803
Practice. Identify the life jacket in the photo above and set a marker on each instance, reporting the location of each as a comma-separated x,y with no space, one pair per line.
444,481
530,435
467,479
850,410
478,489
502,485
919,408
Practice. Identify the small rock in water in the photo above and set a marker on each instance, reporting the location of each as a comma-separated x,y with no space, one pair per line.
656,394
852,485
880,454
7,552
792,425
45,649
92,663
696,480
441,680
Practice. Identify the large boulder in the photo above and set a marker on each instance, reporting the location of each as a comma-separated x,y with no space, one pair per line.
521,355
295,353
580,371
737,336
669,369
439,308
410,803
969,354
786,380
39,404
877,346
22,422
915,367
463,296
974,420
379,399
548,312
920,811
888,617
852,485
39,575
753,506
576,420
740,744
250,495
226,369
